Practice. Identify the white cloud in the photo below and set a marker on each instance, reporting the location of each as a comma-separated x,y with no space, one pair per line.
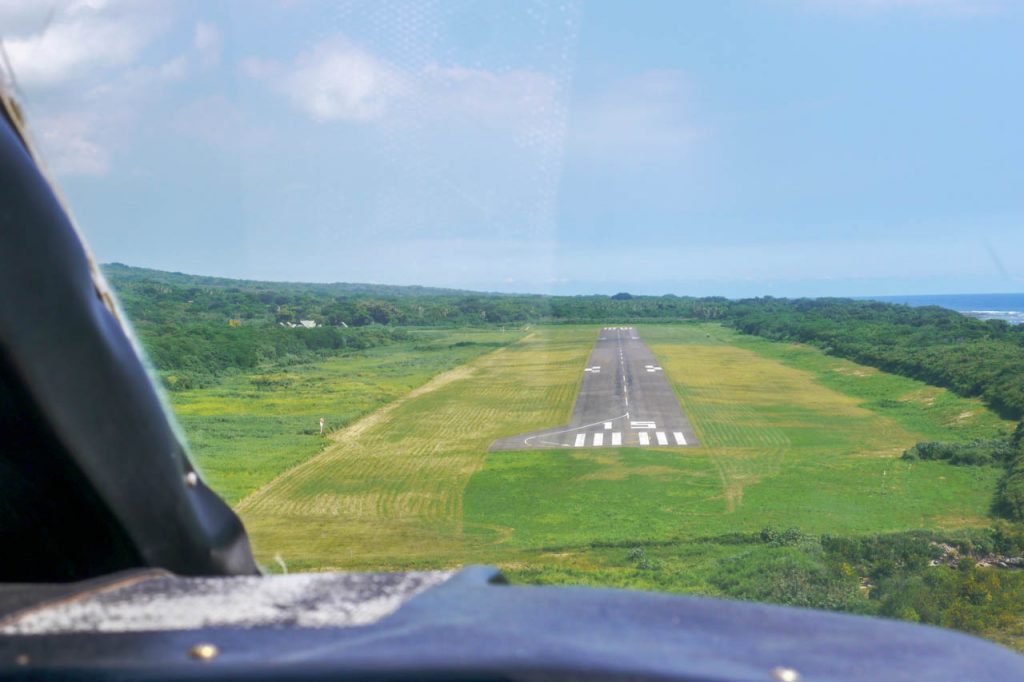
335,81
75,38
440,131
208,44
72,144
89,77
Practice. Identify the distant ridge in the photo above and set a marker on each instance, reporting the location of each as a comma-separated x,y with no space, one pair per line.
128,273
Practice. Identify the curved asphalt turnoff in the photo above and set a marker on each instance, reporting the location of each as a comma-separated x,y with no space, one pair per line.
625,400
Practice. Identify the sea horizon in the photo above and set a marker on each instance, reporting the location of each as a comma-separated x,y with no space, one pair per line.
1006,307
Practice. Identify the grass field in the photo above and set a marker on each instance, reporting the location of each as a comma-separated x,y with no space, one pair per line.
251,427
389,491
791,437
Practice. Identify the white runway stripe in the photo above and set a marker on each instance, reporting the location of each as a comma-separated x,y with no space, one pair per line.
680,439
645,438
616,438
581,438
607,426
598,439
662,440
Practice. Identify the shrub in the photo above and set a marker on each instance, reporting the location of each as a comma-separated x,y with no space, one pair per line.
1007,538
1009,498
791,576
786,538
976,453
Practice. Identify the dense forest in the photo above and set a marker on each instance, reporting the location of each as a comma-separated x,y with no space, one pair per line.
167,297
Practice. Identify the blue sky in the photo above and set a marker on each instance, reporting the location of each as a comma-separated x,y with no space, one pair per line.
783,147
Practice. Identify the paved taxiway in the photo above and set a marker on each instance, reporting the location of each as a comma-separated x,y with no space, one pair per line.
625,400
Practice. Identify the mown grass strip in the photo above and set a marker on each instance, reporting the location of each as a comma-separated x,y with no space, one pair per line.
252,426
781,446
390,492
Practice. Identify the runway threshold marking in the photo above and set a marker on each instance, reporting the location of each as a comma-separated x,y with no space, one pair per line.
646,431
571,429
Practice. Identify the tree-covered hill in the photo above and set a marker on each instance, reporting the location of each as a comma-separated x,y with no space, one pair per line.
153,295
126,273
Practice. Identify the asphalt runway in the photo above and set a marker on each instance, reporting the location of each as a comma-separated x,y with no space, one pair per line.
625,400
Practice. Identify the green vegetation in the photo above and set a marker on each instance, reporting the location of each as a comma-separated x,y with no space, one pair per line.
1005,452
251,426
778,447
782,448
847,514
388,492
928,577
821,480
165,297
921,408
935,345
199,354
994,451
1009,500
183,318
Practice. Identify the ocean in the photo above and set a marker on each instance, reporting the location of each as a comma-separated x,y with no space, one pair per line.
1008,307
